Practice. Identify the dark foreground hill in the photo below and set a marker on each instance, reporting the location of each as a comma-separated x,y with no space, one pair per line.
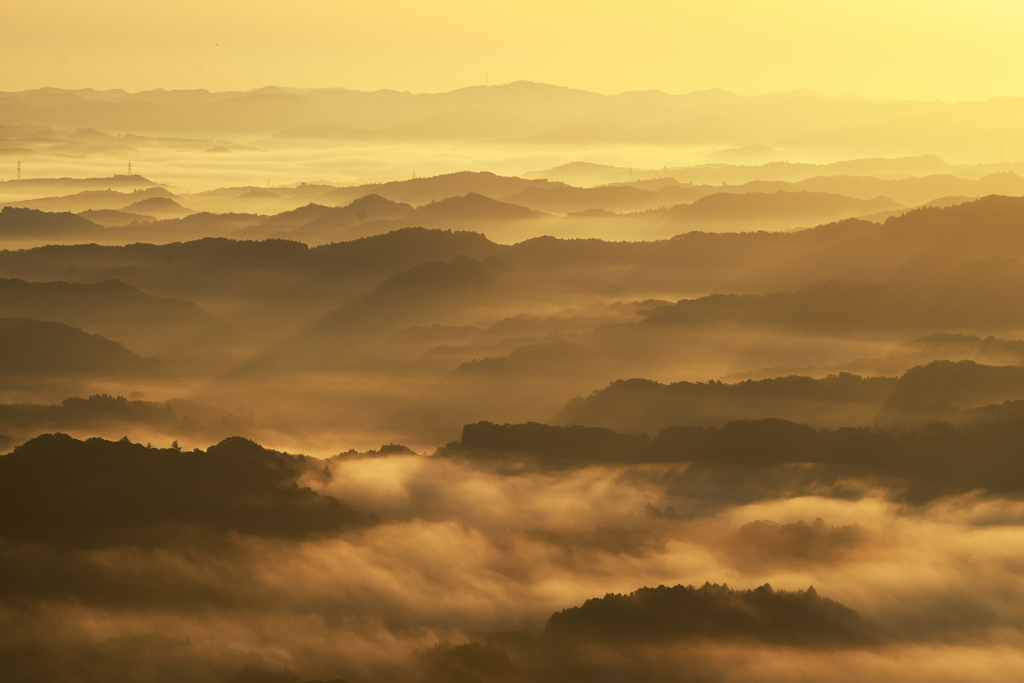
59,489
664,614
615,638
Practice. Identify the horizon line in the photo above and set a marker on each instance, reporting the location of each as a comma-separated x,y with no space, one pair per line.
796,92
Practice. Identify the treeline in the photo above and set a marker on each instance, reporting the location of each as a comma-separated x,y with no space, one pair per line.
21,421
626,629
58,489
751,459
941,390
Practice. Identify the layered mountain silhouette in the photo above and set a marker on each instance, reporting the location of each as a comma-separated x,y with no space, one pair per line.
922,285
111,218
640,376
989,350
102,413
95,200
368,215
103,302
914,191
45,187
814,207
617,198
940,390
36,348
314,223
289,221
748,460
472,207
586,173
849,246
421,294
944,387
233,267
927,293
18,223
189,226
160,207
420,191
648,406
373,214
523,110
560,198
113,309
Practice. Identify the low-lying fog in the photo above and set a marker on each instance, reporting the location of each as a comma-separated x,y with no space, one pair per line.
462,551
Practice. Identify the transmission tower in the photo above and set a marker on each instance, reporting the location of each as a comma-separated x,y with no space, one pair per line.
129,168
19,170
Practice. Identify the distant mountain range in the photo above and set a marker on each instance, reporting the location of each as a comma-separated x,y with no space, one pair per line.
940,390
532,112
502,207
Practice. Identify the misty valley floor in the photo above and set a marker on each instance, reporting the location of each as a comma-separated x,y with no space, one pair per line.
398,431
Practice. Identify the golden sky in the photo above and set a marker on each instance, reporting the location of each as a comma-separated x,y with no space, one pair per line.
931,49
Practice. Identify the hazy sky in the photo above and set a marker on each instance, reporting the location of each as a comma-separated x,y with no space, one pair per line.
933,49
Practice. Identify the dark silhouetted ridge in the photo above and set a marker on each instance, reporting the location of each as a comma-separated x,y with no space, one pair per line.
645,405
296,218
158,206
417,293
16,223
32,347
105,300
110,218
402,249
472,207
366,209
947,385
21,421
929,292
60,489
656,615
424,190
545,444
746,460
775,206
558,198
